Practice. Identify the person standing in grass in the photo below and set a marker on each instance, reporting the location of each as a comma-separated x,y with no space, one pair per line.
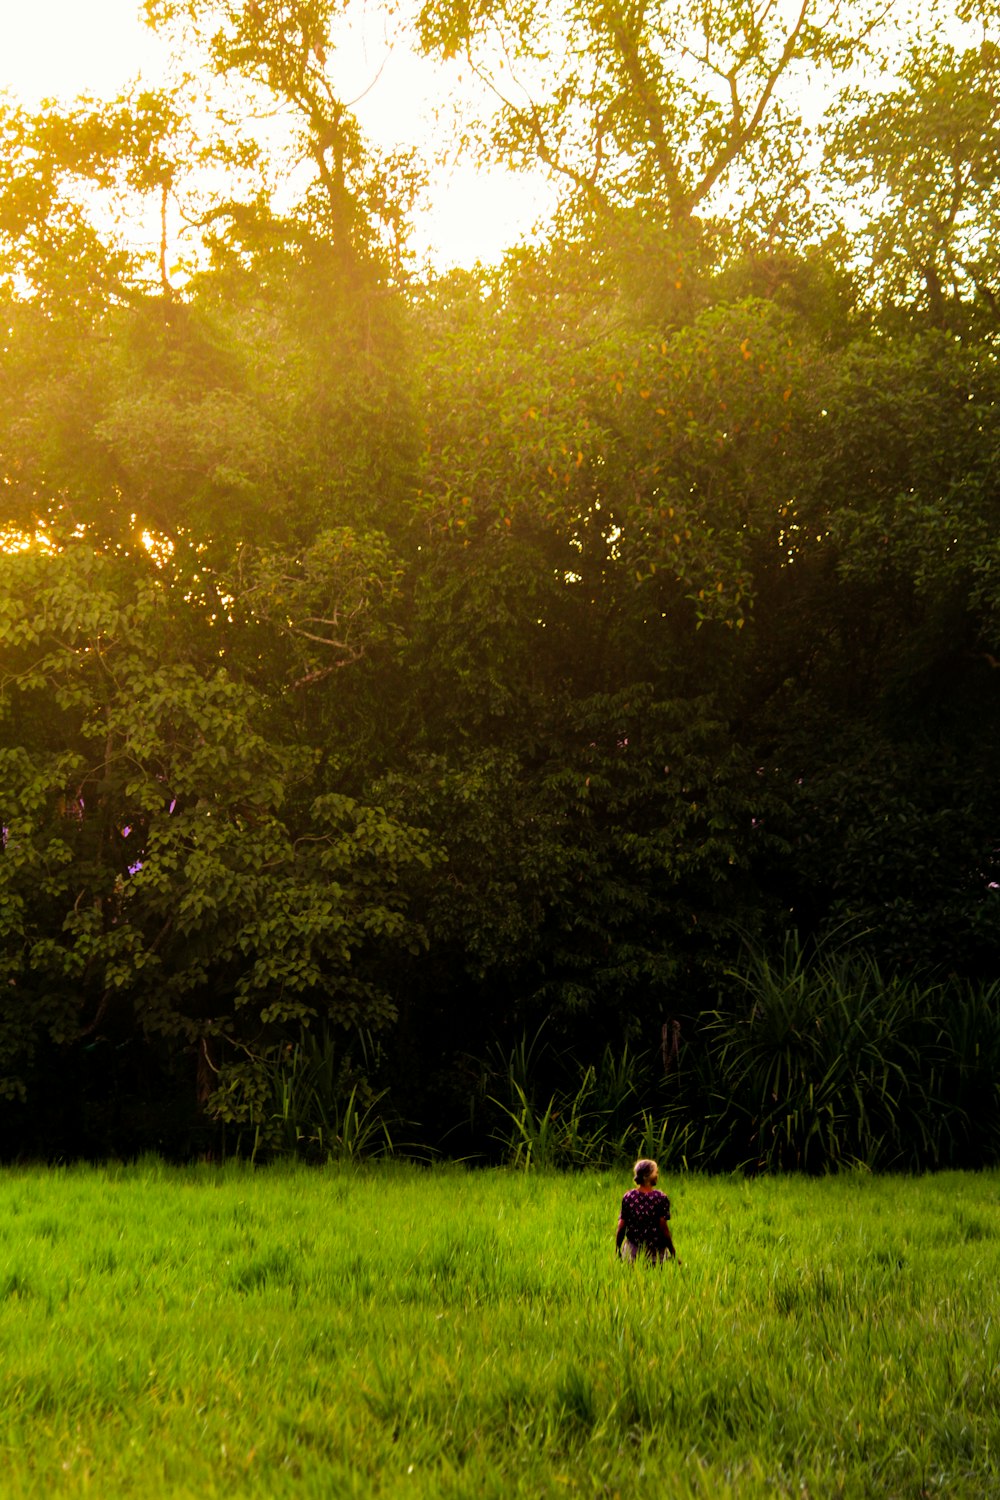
644,1223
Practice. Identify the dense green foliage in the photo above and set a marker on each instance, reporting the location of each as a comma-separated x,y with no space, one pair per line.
394,667
397,1331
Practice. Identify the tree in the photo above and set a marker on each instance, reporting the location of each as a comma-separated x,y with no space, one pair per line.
238,369
679,116
170,865
354,200
923,163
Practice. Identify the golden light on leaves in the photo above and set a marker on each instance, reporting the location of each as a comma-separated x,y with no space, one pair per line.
12,540
160,548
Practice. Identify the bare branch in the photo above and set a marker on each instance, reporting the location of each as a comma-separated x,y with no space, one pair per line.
743,133
168,290
679,201
587,181
367,90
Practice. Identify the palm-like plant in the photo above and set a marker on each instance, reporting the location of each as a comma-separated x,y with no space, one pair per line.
821,1060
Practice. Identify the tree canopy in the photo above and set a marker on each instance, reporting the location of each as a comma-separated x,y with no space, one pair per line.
419,660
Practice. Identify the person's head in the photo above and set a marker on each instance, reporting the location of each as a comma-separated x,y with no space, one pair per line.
645,1172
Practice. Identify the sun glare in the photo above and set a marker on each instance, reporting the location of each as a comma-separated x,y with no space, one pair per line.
13,540
160,548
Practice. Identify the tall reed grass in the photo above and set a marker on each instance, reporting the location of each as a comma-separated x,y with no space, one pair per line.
820,1060
812,1061
308,1099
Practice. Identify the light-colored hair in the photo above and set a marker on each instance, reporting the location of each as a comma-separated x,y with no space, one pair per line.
643,1170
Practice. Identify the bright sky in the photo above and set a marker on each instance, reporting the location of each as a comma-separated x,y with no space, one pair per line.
60,48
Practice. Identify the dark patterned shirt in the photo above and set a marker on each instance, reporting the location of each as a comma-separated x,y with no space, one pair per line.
642,1213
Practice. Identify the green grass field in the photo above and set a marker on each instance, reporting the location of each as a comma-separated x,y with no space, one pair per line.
398,1331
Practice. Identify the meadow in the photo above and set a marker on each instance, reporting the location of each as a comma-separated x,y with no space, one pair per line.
393,1330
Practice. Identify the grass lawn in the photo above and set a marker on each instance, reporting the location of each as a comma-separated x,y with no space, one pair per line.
399,1331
